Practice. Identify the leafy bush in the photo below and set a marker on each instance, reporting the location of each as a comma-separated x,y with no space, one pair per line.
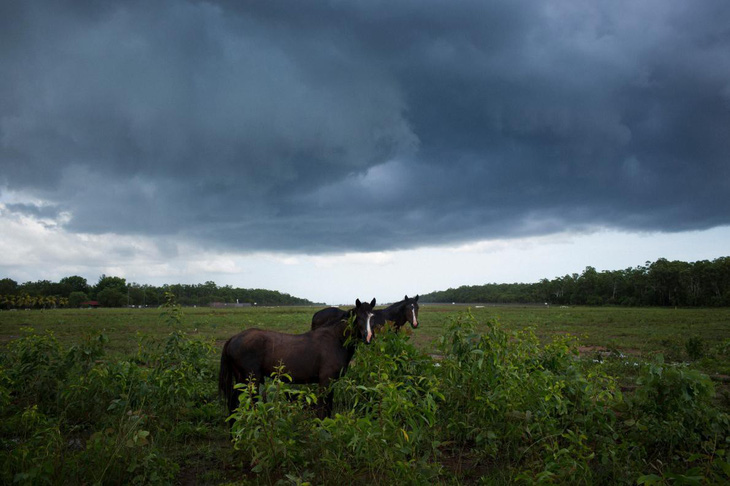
31,446
389,401
34,365
695,348
273,432
70,414
527,408
672,410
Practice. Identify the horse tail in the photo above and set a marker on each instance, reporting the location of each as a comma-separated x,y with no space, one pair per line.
225,375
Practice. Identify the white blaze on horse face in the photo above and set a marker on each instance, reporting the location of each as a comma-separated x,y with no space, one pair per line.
415,319
370,332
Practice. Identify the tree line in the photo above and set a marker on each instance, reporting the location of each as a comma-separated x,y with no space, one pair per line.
110,291
660,283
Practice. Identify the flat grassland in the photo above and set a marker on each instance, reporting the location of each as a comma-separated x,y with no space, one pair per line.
145,409
621,330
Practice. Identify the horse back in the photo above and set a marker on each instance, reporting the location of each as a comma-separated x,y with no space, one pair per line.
328,315
307,358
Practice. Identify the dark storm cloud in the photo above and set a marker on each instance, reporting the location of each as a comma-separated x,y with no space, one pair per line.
34,210
321,126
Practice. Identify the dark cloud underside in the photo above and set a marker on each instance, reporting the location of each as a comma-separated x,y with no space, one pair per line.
324,126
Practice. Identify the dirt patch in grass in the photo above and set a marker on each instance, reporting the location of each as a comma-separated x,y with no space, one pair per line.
464,465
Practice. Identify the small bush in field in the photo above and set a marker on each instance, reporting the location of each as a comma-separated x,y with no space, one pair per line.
31,448
527,407
390,399
672,409
695,348
273,432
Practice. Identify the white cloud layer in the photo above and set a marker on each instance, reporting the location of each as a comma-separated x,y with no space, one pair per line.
37,249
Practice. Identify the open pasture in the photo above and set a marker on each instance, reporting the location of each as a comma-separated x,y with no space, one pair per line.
475,395
628,330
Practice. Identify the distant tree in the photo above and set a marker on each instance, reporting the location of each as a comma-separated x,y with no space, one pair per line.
663,282
136,295
105,282
8,286
111,297
40,288
76,298
74,284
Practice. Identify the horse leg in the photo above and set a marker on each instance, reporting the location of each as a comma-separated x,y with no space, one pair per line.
233,399
324,409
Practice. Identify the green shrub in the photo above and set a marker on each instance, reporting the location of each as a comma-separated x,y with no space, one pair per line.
672,410
272,433
125,453
72,415
31,446
390,399
529,409
695,348
35,364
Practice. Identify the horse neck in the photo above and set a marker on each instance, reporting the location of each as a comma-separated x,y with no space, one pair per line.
340,330
393,311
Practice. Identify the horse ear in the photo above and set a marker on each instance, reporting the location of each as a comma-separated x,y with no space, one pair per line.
372,304
416,298
406,297
357,302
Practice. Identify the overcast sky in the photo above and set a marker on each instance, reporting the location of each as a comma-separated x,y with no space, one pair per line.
336,150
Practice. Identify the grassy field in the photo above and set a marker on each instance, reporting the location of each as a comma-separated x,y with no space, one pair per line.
634,331
141,405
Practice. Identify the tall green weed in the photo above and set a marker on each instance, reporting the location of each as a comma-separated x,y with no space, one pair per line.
71,415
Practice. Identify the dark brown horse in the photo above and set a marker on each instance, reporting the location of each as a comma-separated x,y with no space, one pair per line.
330,314
399,313
318,356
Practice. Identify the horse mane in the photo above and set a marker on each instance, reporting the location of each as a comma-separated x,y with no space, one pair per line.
396,305
393,308
349,329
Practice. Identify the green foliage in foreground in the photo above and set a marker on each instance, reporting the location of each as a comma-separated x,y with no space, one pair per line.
512,409
71,416
493,407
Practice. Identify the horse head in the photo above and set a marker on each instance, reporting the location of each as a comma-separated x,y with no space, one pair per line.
364,319
411,310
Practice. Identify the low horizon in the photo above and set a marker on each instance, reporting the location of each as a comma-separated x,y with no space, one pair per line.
527,261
